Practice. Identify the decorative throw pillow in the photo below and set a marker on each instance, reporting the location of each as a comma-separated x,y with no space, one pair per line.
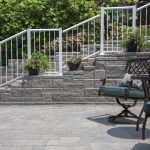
137,84
127,79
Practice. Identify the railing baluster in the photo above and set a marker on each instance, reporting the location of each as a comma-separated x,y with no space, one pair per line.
117,30
34,41
17,53
94,37
107,30
72,42
122,27
22,56
88,39
44,43
54,53
1,75
146,23
77,42
83,41
39,42
66,47
127,21
49,56
112,30
140,21
6,59
11,59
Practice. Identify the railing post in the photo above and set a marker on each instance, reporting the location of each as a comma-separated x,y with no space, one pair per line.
0,66
134,18
102,31
60,51
29,43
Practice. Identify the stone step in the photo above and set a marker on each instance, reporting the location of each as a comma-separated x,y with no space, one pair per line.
89,68
40,81
35,92
73,87
73,100
20,100
5,97
5,90
114,49
77,72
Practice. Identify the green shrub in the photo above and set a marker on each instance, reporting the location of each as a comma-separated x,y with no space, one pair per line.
37,62
74,60
134,39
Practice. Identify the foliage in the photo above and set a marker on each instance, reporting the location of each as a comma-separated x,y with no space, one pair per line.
17,15
37,62
148,44
134,38
74,60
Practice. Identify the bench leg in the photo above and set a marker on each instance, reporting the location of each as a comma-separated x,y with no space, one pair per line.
144,125
125,112
138,120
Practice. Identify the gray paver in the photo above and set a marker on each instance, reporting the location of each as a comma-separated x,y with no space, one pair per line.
67,127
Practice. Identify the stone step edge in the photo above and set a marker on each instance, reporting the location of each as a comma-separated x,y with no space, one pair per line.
60,103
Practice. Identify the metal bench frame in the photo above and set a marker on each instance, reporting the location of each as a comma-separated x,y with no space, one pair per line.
146,86
137,67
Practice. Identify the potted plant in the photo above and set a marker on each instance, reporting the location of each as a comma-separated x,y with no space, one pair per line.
134,41
37,63
74,63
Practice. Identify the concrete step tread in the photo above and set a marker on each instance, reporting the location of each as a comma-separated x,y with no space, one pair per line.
54,103
5,90
78,72
40,88
89,67
72,84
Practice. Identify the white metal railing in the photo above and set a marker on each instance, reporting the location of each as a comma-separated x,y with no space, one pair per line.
14,50
83,39
143,19
115,22
50,42
101,33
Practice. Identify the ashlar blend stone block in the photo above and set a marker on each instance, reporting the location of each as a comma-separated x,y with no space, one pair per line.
31,93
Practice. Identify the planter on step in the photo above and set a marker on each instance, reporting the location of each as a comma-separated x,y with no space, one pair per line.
132,47
134,41
37,63
74,63
33,72
73,66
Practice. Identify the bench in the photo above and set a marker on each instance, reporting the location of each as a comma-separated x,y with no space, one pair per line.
122,94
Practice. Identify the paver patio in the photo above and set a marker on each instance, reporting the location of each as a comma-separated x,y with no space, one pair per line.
67,127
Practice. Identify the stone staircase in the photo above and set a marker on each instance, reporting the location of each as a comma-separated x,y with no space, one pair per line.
74,86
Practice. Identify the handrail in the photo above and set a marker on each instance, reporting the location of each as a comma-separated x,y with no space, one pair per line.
115,8
12,37
142,7
53,29
81,23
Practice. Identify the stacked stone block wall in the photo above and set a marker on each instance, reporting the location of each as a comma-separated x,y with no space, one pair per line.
74,86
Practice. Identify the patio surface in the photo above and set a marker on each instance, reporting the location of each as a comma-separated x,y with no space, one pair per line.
67,127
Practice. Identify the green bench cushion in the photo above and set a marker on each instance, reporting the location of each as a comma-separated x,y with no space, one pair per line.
146,107
120,91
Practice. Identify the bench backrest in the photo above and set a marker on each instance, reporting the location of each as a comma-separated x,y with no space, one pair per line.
138,66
